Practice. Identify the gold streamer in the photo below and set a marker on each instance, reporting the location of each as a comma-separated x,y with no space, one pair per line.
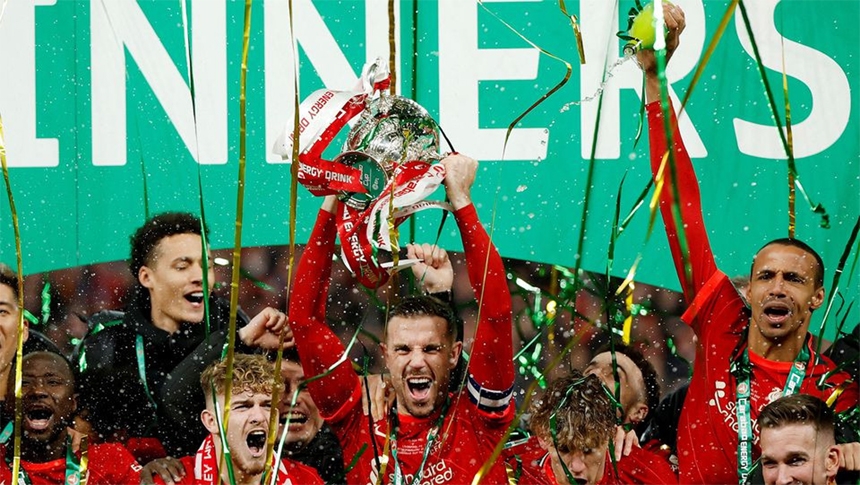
294,174
653,207
546,95
392,49
791,192
837,392
19,357
85,460
712,45
574,22
240,199
628,322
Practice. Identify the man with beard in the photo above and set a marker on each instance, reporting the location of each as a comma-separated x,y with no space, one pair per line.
573,423
431,436
153,353
246,430
49,406
746,356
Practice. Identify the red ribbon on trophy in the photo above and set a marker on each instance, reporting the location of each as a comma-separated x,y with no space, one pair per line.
383,174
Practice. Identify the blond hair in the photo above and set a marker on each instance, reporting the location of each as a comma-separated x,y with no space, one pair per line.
251,373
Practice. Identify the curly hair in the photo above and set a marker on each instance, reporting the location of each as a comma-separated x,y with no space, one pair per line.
252,373
584,417
146,238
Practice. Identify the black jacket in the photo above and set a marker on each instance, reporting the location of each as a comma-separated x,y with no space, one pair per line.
112,394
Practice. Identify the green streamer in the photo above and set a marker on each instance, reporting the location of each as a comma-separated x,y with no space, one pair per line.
792,169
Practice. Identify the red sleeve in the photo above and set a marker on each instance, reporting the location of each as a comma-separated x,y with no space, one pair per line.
491,369
318,347
302,474
701,258
115,464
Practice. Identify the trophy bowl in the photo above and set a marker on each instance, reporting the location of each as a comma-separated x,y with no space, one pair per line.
391,130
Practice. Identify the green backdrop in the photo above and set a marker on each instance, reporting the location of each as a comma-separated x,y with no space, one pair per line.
100,128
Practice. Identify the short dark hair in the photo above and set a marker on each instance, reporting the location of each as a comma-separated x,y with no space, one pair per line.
798,409
649,374
61,357
584,416
9,278
424,306
147,237
797,243
291,354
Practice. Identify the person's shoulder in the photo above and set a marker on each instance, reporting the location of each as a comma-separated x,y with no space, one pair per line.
645,466
219,313
106,325
110,451
301,473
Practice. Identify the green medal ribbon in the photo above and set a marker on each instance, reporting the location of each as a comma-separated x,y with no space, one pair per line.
431,436
141,368
741,370
75,469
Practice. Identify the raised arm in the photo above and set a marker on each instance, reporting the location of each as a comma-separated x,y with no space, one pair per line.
701,258
491,370
318,347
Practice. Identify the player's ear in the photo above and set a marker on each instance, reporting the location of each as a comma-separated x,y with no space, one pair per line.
144,276
817,298
831,463
456,350
638,412
209,421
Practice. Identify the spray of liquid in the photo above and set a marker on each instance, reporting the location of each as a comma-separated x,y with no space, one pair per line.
629,53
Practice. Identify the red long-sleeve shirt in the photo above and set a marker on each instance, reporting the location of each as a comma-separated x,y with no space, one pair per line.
707,431
473,425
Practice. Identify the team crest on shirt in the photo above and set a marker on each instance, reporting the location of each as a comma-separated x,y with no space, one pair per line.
774,394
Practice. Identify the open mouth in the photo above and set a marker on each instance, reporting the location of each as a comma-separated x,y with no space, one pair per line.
38,419
195,297
294,418
419,387
777,313
256,441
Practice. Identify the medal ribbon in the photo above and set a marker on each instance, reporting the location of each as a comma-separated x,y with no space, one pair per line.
431,436
141,368
364,233
741,370
75,469
321,117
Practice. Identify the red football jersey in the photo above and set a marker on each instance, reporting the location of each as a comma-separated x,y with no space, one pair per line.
707,431
108,464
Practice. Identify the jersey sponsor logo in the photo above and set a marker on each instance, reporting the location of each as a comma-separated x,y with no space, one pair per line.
432,474
726,404
374,470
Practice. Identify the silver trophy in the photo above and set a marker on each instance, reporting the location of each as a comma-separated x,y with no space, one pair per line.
390,131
